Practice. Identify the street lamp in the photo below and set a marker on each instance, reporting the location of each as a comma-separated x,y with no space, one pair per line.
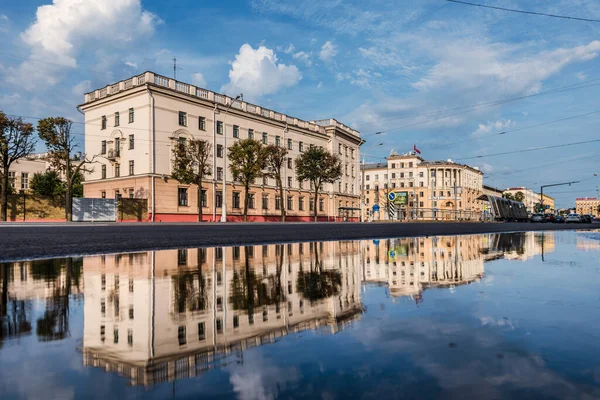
224,189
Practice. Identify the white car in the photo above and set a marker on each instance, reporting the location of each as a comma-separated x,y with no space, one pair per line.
538,218
573,218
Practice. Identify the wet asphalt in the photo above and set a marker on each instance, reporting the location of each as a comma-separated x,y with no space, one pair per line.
34,241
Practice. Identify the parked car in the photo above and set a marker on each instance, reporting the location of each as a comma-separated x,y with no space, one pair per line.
587,219
559,219
538,218
550,217
573,218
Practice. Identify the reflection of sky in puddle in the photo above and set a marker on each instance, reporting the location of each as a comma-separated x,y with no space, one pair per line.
477,316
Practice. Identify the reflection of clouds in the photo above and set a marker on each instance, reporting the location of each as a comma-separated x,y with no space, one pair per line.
255,379
468,361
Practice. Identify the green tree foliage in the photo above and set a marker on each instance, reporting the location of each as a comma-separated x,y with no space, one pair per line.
519,196
46,184
317,284
17,141
275,159
191,164
56,134
508,196
318,166
247,159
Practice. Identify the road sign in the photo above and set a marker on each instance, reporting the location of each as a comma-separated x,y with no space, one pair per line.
401,198
392,254
392,196
375,207
376,242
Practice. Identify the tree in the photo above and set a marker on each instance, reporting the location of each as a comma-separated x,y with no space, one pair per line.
519,196
508,196
275,159
191,165
247,160
17,141
46,184
56,134
318,166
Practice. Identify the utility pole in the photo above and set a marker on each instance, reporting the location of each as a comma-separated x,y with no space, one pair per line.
551,185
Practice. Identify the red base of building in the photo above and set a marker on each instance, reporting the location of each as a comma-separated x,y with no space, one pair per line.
239,218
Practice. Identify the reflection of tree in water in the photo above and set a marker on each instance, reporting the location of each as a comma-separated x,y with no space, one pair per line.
316,284
190,296
250,290
14,319
508,242
54,324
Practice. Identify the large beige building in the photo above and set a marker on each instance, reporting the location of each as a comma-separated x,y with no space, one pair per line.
531,198
133,125
21,172
587,205
434,189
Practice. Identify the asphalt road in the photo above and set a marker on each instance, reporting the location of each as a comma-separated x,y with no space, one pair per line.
34,241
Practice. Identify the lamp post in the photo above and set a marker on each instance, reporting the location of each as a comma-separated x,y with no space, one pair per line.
224,189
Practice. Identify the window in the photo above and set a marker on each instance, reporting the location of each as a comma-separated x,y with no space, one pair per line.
219,199
265,138
116,335
201,331
202,123
301,204
181,335
236,130
103,122
352,153
219,173
24,180
131,116
278,202
290,202
131,193
236,321
220,128
377,177
368,187
130,337
117,170
321,204
393,175
131,142
401,174
130,285
220,151
420,204
131,167
410,164
251,134
182,118
265,201
290,179
236,199
183,197
311,204
289,163
277,141
420,194
265,180
340,187
219,325
421,174
203,200
251,203
340,148
290,144
131,312
368,178
102,332
103,171
346,188
301,184
300,146
103,194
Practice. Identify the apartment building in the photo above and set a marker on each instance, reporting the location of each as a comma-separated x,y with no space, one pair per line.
587,205
21,172
433,189
132,127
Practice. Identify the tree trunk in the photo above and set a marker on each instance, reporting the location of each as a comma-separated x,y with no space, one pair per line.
246,189
316,205
200,201
280,184
4,199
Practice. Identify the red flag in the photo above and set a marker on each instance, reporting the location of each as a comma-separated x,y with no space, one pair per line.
416,150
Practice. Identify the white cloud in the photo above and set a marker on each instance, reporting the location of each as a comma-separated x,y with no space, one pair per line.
81,88
486,168
198,80
9,100
319,85
303,56
581,76
496,126
131,64
66,28
313,41
4,23
328,51
256,73
290,49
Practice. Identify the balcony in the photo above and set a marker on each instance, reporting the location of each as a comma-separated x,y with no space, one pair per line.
113,155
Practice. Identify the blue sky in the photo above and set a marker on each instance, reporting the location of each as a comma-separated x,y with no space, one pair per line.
379,66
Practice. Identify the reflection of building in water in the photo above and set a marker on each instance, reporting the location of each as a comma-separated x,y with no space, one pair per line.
410,265
164,315
524,245
589,241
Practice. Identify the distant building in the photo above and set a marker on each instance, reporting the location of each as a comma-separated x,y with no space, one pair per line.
492,191
434,189
587,205
531,198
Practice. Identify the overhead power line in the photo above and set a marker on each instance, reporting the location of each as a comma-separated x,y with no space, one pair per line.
523,11
529,150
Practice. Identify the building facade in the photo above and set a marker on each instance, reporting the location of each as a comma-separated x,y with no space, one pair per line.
531,199
132,127
434,189
587,205
21,172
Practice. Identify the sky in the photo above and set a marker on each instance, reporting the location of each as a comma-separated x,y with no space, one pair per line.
446,77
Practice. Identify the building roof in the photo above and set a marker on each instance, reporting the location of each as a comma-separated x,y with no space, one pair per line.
151,78
374,166
452,163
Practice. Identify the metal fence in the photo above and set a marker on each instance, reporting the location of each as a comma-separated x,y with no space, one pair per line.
94,210
428,214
